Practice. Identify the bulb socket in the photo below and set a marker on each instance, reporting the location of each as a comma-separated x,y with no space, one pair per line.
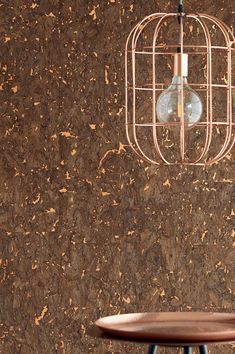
180,64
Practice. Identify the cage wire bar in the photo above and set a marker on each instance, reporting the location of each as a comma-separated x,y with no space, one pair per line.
133,49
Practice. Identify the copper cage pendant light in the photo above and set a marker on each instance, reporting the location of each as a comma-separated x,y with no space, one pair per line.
188,120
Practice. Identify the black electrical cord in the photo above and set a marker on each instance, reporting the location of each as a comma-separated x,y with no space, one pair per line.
180,20
181,8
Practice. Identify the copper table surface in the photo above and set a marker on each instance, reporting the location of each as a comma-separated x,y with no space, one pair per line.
168,328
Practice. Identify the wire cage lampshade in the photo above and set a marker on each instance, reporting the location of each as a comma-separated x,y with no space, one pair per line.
179,88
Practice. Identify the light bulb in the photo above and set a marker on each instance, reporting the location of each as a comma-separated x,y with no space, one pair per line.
169,104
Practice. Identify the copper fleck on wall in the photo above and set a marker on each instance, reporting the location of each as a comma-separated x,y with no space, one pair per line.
87,229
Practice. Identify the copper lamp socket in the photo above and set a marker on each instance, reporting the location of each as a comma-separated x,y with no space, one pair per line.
180,64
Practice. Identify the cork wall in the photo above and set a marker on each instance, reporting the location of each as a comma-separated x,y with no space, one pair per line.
87,228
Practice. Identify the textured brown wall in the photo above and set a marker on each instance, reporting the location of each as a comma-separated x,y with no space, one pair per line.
87,230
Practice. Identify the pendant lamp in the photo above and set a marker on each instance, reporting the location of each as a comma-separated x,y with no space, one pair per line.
179,88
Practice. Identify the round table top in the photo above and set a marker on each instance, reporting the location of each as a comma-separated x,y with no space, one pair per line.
168,328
